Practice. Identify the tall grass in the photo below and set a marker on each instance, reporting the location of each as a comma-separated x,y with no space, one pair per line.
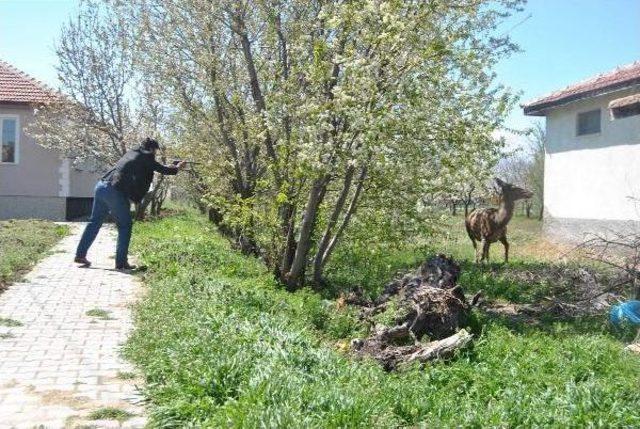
22,243
220,344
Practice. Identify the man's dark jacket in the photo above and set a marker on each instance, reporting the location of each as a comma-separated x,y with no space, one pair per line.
133,173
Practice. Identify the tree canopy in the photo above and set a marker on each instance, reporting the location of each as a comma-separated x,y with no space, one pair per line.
315,119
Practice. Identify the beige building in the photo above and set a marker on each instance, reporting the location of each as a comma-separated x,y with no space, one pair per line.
592,154
35,182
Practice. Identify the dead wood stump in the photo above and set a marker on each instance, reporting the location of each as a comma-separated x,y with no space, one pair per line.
425,305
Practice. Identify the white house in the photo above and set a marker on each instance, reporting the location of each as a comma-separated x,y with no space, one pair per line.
592,159
34,182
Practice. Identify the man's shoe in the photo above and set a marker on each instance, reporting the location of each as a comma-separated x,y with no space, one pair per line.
84,262
126,267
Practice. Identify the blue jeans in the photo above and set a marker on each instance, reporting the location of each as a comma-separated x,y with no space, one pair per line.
108,199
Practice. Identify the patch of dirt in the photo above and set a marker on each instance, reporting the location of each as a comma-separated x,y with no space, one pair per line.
64,397
634,348
11,383
548,250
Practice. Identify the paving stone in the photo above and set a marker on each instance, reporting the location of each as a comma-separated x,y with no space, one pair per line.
59,366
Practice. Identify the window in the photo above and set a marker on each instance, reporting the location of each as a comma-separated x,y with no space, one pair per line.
9,139
625,107
588,123
626,111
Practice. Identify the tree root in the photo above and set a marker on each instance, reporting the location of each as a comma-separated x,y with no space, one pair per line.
425,303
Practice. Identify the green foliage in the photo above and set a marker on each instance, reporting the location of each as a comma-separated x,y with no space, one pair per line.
22,243
370,267
390,315
312,119
220,344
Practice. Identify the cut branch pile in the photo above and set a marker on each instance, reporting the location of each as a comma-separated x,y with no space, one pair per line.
425,304
573,291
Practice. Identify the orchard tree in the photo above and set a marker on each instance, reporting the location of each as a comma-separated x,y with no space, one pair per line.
514,168
106,107
93,120
525,167
315,117
537,140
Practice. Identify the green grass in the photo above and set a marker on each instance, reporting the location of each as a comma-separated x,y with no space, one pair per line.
24,242
100,314
220,344
531,275
5,321
126,375
374,264
110,413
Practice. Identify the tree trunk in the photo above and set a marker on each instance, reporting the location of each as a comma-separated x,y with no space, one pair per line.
141,207
319,270
256,92
288,217
294,278
326,237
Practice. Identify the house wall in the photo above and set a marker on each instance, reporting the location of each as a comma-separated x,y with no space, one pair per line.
40,184
83,182
593,178
36,173
25,207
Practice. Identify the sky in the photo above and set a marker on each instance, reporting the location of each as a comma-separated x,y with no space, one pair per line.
562,42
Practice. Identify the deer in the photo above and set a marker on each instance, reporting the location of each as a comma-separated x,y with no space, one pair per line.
490,224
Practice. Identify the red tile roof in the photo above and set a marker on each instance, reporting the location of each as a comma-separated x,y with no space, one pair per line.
620,78
18,87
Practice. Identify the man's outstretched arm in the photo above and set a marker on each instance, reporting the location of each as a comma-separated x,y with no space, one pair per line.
168,169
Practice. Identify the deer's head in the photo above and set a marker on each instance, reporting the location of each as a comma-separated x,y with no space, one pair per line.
508,192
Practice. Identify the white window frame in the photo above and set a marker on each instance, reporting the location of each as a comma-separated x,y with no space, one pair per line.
16,160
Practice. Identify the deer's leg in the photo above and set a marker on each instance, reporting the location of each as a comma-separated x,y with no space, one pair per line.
478,250
505,243
485,250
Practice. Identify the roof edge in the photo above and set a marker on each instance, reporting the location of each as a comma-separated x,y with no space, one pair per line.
539,109
48,93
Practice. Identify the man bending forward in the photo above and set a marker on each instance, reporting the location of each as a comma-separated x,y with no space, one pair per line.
128,181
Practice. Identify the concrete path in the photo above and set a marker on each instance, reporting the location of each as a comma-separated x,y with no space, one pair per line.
61,367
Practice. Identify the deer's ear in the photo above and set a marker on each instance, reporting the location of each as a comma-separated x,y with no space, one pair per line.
499,182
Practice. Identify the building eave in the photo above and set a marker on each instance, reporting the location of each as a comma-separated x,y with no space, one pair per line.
541,109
